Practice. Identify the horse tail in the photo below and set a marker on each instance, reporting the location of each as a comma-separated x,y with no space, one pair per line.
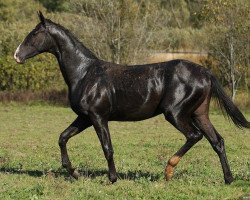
227,105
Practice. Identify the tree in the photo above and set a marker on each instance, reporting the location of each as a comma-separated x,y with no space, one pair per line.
123,28
229,41
180,13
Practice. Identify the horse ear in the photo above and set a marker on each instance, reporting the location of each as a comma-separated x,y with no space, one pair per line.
41,17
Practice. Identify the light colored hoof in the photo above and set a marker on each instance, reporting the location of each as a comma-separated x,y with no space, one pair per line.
76,174
169,172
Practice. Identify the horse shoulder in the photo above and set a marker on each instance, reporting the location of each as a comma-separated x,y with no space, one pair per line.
94,95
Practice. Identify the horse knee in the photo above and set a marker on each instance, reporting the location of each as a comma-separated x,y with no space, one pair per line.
62,140
108,153
195,136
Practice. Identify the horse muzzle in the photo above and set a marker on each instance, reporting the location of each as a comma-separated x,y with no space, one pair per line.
18,59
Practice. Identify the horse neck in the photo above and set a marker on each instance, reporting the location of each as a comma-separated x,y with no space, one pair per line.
74,59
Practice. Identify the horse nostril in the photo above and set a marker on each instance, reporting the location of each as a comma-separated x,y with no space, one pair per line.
16,56
18,60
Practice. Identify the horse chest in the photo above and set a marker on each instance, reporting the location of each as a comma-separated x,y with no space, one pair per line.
75,101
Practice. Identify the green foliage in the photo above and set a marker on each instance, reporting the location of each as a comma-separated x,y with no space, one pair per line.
18,10
180,14
129,30
41,73
229,39
123,27
54,5
37,74
176,39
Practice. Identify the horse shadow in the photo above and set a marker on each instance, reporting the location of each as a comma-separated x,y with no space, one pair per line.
93,173
84,172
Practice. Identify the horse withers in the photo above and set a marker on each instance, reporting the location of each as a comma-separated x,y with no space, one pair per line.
101,91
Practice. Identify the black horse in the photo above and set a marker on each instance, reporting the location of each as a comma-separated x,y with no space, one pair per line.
101,91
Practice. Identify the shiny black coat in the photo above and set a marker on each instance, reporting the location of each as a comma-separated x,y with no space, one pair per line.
131,93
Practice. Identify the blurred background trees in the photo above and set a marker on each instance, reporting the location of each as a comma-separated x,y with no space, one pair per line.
129,32
229,42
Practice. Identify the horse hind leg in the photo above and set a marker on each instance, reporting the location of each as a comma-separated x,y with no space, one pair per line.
192,134
217,143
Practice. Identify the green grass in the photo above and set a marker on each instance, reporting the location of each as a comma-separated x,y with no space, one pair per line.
30,165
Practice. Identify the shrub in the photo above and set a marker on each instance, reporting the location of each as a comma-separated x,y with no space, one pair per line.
40,74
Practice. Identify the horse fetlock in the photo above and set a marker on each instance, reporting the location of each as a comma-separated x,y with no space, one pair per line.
66,163
174,161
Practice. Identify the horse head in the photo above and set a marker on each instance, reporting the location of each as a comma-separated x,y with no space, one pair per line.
37,41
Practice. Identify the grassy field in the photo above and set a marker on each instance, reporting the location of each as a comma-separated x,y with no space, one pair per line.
30,165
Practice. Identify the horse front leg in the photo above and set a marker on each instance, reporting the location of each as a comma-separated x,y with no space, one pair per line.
102,130
76,127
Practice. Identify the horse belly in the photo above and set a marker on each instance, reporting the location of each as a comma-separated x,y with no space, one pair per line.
137,107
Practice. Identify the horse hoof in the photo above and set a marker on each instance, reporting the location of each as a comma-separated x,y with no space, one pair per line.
169,172
75,174
229,180
112,178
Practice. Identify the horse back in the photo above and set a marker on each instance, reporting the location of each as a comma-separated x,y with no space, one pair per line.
131,93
